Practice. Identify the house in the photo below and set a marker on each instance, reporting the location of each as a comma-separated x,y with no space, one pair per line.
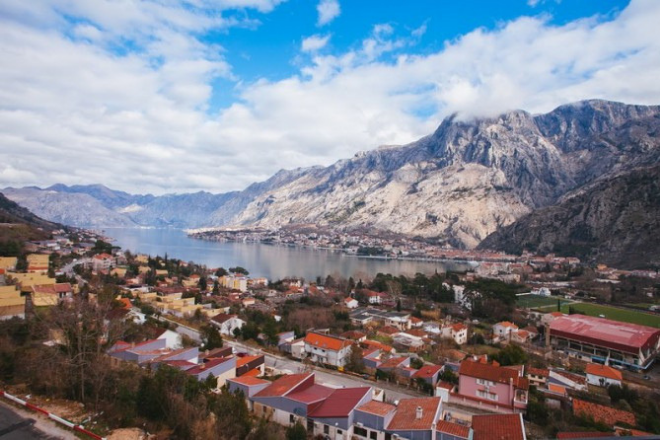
453,431
503,330
538,376
250,365
444,389
11,302
38,263
429,374
289,398
8,263
459,333
488,383
226,323
567,380
603,414
374,297
334,417
248,385
172,339
102,262
326,349
603,375
371,419
50,294
354,335
351,303
416,418
222,369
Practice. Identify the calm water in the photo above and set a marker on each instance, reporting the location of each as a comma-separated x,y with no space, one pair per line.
273,262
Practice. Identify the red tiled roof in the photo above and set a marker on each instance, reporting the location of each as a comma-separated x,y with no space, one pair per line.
583,434
405,418
340,403
284,385
222,318
446,385
453,429
311,394
428,371
377,408
326,342
600,413
458,327
604,371
375,344
179,363
559,389
353,334
388,330
246,359
572,376
252,373
621,336
498,427
491,372
249,381
392,362
543,372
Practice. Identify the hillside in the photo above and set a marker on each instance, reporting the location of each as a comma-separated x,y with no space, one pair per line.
615,221
17,225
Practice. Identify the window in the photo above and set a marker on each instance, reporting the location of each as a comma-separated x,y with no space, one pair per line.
326,429
360,431
339,432
388,436
486,395
291,418
373,435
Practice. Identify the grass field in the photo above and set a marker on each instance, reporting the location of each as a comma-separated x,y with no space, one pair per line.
539,301
622,315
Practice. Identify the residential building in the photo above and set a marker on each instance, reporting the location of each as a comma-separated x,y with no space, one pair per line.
226,323
603,375
605,341
560,378
8,263
222,369
371,420
334,417
416,419
429,374
11,303
503,330
102,262
249,386
459,333
504,389
330,350
351,303
538,376
250,365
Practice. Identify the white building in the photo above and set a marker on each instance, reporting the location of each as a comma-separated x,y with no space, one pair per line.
226,324
327,349
603,375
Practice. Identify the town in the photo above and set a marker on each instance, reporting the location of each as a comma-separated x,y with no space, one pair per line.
529,347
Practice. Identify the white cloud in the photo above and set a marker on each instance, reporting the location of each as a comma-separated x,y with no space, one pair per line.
328,10
314,43
75,112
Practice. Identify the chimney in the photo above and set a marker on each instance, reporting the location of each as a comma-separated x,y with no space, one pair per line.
419,413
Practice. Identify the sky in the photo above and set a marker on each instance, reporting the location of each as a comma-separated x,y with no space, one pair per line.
169,96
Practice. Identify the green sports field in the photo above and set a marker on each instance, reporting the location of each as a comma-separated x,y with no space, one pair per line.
539,301
613,313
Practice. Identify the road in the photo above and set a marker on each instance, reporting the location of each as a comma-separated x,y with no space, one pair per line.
16,424
331,378
68,269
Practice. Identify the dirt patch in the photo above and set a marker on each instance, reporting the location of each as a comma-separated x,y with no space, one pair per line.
127,434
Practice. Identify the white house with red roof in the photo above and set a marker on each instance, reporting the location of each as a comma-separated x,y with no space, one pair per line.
327,349
603,375
351,303
102,262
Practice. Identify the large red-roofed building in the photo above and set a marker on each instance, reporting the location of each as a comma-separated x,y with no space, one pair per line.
605,341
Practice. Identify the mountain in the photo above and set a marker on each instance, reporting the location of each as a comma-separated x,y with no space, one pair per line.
469,178
19,224
613,221
459,184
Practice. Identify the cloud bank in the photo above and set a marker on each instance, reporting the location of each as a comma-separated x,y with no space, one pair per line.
120,95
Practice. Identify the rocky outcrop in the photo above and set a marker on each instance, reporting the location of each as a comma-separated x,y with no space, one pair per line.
615,221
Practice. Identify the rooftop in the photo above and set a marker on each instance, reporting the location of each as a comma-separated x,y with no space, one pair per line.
311,394
498,427
340,403
604,371
621,336
326,342
208,365
428,371
490,372
284,385
453,429
406,418
377,408
249,381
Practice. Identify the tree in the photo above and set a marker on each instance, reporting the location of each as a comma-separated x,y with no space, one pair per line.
203,284
355,362
512,354
211,337
221,272
239,270
296,432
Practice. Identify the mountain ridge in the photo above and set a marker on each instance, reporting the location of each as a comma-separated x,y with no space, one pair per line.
459,184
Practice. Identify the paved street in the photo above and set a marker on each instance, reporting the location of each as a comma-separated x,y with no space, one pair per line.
16,424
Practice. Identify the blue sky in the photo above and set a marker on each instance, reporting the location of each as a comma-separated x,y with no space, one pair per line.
186,95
